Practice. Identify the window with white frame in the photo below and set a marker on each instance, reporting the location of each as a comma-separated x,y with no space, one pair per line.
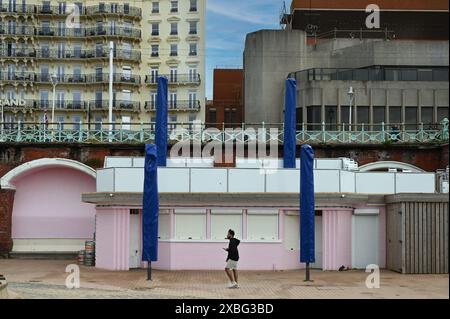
153,96
173,28
192,27
155,7
174,49
193,6
173,6
262,225
155,28
173,75
193,99
192,49
190,224
222,220
193,74
155,50
164,225
154,72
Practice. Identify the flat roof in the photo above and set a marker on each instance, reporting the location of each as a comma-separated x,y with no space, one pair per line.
418,5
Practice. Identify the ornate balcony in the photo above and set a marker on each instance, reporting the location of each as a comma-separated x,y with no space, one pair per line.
131,55
19,30
69,105
117,105
125,10
118,78
184,105
16,9
16,77
17,53
125,32
179,79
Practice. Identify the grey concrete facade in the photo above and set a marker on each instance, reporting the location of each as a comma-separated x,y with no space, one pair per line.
270,54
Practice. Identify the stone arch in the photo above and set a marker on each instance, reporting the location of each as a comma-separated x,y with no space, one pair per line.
389,164
7,180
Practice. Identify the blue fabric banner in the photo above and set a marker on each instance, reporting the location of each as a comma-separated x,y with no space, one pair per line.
150,206
161,136
290,123
307,205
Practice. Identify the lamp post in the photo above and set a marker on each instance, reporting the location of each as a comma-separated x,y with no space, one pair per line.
54,79
351,96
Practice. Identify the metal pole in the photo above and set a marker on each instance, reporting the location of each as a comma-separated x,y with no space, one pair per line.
3,120
308,275
53,101
350,116
149,271
111,79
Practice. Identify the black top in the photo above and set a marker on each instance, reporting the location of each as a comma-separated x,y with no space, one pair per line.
233,253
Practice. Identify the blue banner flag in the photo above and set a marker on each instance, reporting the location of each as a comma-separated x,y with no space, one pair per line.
290,124
307,205
161,136
150,206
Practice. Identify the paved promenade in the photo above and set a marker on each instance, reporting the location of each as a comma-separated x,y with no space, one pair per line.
46,279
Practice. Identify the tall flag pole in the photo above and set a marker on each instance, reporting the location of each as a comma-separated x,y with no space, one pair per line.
161,135
150,209
307,208
290,124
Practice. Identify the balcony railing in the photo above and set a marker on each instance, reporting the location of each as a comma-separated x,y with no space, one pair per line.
117,78
16,9
17,53
16,76
175,79
18,30
59,104
117,105
87,32
117,31
114,9
133,55
185,105
19,132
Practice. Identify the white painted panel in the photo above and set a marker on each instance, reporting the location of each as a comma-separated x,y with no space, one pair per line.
365,238
291,232
200,162
272,163
208,180
328,164
375,183
139,162
283,181
246,181
248,163
221,223
176,162
415,183
111,161
164,226
190,226
367,212
48,245
318,242
262,227
326,181
129,180
173,180
347,182
135,241
105,180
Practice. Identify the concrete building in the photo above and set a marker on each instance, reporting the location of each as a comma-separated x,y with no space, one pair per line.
227,108
39,39
396,80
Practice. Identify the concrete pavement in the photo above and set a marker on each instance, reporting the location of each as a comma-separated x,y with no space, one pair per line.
46,279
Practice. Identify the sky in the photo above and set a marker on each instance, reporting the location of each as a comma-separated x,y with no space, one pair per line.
227,23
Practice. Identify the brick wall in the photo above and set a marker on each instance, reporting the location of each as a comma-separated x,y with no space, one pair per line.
6,205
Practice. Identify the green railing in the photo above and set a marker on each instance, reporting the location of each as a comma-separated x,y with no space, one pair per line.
204,133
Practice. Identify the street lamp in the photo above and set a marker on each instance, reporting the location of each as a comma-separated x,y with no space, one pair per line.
351,96
54,79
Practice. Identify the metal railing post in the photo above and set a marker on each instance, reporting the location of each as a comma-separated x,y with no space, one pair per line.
19,137
80,133
323,132
383,132
141,134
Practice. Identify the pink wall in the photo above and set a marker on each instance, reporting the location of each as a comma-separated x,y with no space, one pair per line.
337,238
112,249
48,204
